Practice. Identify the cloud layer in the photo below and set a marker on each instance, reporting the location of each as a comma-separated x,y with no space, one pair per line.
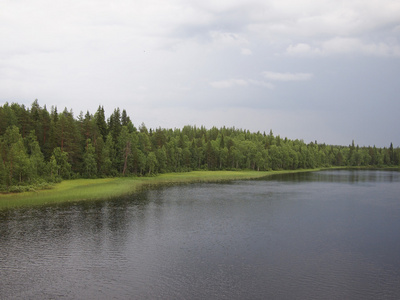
287,76
153,56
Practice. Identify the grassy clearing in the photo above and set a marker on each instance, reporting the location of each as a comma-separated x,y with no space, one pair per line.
92,189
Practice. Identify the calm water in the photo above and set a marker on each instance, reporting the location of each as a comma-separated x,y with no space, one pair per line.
321,235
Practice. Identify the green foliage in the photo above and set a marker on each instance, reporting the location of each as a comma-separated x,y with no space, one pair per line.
100,120
15,159
151,162
63,167
107,153
37,145
89,161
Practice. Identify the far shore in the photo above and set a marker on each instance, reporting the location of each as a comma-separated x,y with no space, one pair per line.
108,188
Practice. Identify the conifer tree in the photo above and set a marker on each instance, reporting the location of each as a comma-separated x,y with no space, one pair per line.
36,158
107,155
101,123
89,161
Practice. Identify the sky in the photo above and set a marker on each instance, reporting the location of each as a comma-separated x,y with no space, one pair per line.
326,70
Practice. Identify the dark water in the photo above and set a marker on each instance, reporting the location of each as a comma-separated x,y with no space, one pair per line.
321,235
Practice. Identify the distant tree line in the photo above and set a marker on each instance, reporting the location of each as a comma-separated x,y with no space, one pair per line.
39,146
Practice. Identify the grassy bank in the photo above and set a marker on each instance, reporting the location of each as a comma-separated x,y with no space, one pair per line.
92,189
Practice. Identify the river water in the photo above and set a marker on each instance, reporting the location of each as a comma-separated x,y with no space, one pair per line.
318,235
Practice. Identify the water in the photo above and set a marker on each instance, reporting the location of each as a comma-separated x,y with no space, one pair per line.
320,235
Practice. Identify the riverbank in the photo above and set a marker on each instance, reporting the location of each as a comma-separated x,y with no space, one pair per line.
107,188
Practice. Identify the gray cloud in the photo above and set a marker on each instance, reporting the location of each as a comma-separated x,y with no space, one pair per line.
287,76
164,61
229,83
339,45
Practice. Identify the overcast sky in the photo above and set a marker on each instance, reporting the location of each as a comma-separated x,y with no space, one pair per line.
312,70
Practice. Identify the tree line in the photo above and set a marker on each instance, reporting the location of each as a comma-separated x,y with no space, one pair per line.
38,146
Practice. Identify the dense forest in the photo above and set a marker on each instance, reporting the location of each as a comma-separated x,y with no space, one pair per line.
38,146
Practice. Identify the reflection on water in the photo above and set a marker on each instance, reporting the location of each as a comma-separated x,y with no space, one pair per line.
349,176
320,235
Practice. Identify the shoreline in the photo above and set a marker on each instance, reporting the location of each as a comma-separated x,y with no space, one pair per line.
77,190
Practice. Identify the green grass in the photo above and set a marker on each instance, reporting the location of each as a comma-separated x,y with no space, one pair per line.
93,189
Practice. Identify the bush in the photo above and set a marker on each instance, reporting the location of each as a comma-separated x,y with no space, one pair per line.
27,188
21,188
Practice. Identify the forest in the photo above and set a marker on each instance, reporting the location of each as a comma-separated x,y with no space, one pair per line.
38,147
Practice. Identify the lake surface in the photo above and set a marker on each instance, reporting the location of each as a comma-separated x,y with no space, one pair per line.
319,235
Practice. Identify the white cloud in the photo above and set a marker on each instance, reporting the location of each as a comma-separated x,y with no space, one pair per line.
342,45
268,85
227,38
303,27
246,51
299,49
229,83
287,76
